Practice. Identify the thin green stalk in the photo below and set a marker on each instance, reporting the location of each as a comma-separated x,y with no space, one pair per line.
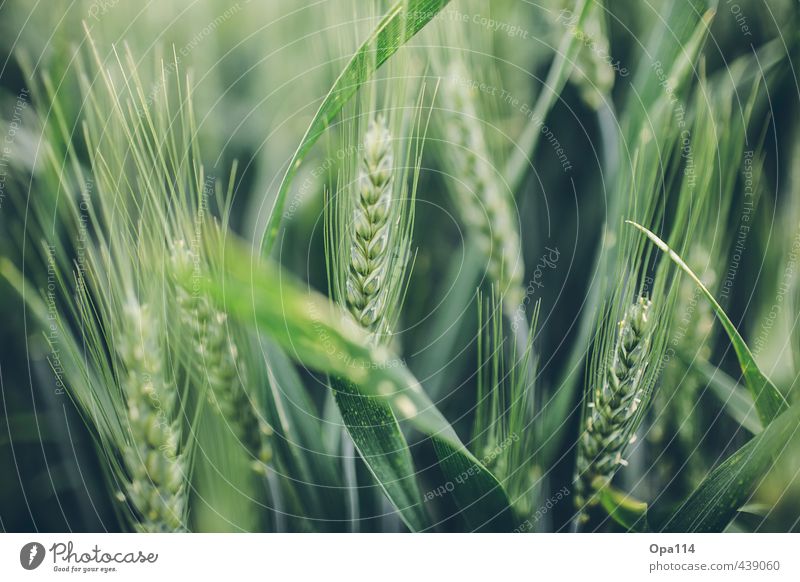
557,76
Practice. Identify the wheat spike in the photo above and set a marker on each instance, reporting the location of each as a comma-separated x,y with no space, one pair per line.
153,457
593,73
485,207
613,406
218,356
367,273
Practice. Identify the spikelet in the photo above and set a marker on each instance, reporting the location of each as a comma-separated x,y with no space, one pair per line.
152,457
219,361
613,406
486,208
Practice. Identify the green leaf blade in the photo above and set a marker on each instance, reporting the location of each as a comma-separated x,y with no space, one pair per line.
481,499
316,333
716,501
374,429
630,513
769,401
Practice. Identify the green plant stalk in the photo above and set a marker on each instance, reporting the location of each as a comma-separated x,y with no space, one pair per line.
557,76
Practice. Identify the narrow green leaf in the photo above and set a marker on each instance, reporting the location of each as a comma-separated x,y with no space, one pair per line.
758,509
737,401
380,442
224,494
480,498
405,19
673,46
313,331
769,401
300,443
557,75
712,506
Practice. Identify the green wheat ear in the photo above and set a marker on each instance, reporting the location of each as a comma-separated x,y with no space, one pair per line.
485,206
153,458
368,234
218,358
613,407
366,283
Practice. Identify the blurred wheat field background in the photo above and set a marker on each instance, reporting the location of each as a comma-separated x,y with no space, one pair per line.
402,265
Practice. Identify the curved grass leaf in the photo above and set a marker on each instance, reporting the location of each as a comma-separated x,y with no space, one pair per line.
483,503
675,43
405,19
299,437
721,495
313,331
380,442
718,498
737,401
769,401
